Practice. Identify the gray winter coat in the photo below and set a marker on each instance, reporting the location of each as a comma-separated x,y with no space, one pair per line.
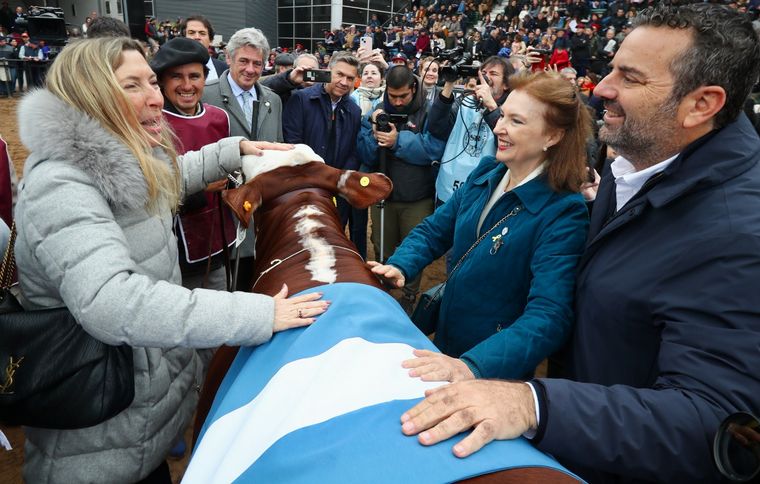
86,241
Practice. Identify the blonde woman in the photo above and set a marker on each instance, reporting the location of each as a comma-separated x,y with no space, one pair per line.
94,221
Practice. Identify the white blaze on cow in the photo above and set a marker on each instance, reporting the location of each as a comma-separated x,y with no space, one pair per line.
344,179
321,263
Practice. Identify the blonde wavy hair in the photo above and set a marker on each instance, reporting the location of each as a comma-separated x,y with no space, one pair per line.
83,76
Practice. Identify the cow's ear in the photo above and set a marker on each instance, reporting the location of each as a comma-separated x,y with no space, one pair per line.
364,189
243,201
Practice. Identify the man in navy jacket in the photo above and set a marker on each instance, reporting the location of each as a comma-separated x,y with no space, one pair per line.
667,338
324,117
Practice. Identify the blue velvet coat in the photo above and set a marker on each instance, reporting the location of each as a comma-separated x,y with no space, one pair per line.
502,313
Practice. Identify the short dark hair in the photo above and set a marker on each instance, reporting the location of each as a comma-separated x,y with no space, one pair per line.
345,57
724,52
197,18
506,67
107,27
399,76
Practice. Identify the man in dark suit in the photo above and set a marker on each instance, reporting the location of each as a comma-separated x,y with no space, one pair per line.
199,28
667,337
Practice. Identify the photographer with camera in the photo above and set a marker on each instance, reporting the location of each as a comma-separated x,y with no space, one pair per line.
398,127
467,123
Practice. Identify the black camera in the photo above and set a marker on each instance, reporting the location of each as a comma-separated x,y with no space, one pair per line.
317,75
384,121
541,51
452,55
452,73
460,64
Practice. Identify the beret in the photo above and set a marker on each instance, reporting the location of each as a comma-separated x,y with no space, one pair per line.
177,52
284,60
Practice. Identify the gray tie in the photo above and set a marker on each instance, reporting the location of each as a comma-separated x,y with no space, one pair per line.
248,108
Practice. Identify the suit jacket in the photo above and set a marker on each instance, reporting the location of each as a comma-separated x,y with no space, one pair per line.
267,110
667,337
219,66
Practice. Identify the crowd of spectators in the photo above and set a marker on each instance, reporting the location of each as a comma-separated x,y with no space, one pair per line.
582,34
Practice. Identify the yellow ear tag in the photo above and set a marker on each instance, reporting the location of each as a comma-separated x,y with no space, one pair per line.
364,181
247,206
335,202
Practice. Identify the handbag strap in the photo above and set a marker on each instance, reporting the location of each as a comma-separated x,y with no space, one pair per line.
512,213
9,261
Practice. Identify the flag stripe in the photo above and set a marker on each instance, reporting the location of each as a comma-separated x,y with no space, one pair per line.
306,392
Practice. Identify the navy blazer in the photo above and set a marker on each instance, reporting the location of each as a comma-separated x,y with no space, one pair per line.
667,336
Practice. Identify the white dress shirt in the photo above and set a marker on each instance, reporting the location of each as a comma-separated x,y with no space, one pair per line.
212,75
628,181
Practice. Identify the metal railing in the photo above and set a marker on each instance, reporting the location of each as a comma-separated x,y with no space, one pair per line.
21,73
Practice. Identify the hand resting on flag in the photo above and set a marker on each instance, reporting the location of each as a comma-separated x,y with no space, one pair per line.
433,366
493,409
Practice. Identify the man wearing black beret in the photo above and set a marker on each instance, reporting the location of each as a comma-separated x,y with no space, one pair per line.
283,62
181,69
180,66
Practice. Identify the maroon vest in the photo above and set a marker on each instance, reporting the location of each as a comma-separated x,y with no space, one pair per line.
199,228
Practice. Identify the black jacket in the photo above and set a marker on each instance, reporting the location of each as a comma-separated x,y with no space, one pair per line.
667,337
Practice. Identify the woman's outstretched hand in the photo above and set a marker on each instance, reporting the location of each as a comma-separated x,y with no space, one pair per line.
432,366
390,275
296,311
256,147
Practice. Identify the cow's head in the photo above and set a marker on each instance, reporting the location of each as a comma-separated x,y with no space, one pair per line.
276,173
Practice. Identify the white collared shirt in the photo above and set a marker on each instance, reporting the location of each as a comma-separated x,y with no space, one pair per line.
628,181
212,75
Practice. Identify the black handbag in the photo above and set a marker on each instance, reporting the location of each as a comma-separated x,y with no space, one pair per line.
53,374
425,314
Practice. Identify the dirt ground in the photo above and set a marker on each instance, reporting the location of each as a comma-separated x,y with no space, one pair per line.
11,462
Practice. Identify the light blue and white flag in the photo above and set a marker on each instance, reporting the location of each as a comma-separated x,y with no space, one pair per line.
323,404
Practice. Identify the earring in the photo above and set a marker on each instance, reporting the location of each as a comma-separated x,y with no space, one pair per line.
546,148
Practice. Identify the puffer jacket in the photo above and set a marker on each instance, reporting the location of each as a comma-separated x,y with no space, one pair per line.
87,241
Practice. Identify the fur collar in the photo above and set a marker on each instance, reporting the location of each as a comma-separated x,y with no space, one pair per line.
54,130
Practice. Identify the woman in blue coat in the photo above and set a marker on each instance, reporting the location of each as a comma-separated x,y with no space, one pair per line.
509,304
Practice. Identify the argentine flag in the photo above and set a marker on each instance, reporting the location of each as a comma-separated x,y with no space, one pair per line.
323,404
